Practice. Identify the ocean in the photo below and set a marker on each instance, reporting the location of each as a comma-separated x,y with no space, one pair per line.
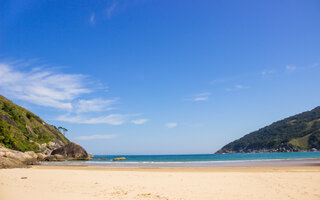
208,157
202,160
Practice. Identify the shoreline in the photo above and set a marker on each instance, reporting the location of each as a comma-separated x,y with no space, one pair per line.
182,169
203,164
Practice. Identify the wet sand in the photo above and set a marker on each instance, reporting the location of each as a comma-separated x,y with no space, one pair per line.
82,182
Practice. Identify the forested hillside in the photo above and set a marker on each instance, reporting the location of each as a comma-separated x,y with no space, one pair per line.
22,130
300,132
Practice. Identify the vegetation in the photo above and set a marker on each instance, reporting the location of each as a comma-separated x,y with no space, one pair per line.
24,131
60,129
297,133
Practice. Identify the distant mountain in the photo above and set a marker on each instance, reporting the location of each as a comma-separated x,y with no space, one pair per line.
22,130
300,132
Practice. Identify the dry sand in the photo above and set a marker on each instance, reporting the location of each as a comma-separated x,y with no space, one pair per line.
247,183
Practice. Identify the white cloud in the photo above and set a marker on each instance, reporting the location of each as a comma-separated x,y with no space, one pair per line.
267,72
42,87
228,79
291,68
94,105
139,121
202,96
221,80
112,119
237,87
241,87
110,9
96,137
171,125
92,18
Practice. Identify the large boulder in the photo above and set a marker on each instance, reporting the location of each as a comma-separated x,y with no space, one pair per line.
41,156
47,148
72,151
10,163
56,157
11,159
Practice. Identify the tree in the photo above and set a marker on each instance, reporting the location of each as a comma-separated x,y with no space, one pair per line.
62,130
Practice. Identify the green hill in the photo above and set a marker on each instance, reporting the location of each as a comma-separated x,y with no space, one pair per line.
300,132
22,130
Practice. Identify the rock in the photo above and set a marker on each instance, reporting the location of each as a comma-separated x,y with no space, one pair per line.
8,120
314,149
29,129
47,151
32,154
50,158
32,159
51,144
41,156
42,147
59,157
10,163
117,159
31,162
47,148
90,155
72,151
56,157
11,158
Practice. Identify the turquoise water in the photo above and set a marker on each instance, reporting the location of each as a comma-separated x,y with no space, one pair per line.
202,160
206,157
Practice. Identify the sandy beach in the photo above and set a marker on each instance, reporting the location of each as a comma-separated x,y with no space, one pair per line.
81,182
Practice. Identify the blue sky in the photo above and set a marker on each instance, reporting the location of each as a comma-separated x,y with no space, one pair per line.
160,77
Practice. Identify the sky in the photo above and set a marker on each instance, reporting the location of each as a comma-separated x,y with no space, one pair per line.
160,76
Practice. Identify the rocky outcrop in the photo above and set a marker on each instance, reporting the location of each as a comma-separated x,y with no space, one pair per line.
21,131
29,129
56,157
72,151
10,163
90,155
118,159
41,156
12,159
8,120
16,159
49,147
